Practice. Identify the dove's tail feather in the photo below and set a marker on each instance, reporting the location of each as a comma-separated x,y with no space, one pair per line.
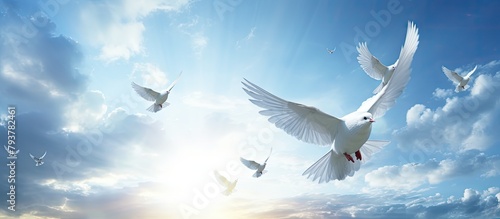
258,174
155,108
226,192
378,88
458,89
330,167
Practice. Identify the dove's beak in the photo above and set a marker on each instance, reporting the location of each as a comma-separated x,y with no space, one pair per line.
372,120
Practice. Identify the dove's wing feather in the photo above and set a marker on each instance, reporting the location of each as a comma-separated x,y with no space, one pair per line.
32,157
221,179
269,155
43,155
471,72
250,163
145,93
385,99
453,76
303,122
370,147
370,63
175,82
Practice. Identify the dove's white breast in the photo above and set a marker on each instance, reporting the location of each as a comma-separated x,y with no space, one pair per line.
352,134
162,98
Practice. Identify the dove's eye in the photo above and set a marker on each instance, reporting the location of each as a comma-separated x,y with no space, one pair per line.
365,118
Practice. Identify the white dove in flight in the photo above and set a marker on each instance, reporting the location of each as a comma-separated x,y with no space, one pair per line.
460,81
331,51
224,182
151,95
9,151
373,67
259,168
38,160
346,135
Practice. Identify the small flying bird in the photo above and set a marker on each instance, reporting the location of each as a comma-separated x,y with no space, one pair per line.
10,152
151,95
330,50
347,135
373,67
224,182
39,161
460,81
256,166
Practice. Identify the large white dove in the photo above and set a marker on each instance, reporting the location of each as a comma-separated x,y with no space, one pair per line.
347,135
224,182
373,67
38,160
259,168
460,81
151,95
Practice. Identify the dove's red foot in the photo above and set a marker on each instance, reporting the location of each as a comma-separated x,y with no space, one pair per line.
348,157
358,155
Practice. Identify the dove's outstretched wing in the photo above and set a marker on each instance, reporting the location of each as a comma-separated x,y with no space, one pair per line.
370,63
221,179
471,72
250,163
269,155
43,155
32,157
175,82
303,122
378,104
145,93
453,76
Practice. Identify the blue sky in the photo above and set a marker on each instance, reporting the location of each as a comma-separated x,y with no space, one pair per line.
67,67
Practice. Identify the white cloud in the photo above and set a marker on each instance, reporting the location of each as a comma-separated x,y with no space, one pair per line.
86,112
472,204
414,175
442,93
92,184
195,30
149,75
462,123
247,38
199,42
251,35
490,65
117,27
